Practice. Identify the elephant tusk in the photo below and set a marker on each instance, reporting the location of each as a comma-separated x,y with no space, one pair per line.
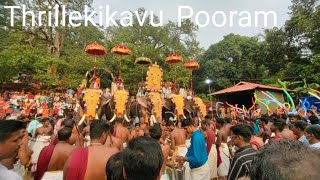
126,118
152,120
97,116
82,119
113,118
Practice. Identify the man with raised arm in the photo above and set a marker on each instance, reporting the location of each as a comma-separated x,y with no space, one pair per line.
90,162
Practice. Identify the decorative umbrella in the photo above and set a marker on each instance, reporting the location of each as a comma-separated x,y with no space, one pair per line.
122,51
95,49
173,59
143,61
191,65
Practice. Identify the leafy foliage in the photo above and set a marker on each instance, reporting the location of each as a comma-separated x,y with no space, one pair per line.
54,55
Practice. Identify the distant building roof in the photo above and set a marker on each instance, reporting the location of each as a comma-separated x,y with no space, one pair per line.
245,86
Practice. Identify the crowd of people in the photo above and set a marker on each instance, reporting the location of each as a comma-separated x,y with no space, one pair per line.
36,143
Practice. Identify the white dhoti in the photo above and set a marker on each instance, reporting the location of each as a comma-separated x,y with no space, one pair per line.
53,175
187,171
200,173
164,177
225,157
124,145
38,145
212,162
87,141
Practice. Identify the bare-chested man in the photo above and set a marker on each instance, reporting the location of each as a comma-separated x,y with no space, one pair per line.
76,137
178,136
213,125
43,137
120,131
113,141
136,132
90,163
223,150
144,125
46,129
156,133
287,133
53,157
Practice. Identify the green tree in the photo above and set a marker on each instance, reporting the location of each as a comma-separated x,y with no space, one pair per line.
155,43
227,62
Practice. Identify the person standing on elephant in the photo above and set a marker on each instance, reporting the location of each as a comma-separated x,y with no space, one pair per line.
120,131
114,87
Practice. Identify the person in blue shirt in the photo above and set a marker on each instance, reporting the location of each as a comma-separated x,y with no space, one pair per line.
256,127
197,154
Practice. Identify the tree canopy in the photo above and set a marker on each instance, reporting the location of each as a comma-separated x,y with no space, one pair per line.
55,55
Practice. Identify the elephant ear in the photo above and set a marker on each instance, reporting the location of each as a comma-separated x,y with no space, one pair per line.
198,101
167,104
188,106
178,100
142,101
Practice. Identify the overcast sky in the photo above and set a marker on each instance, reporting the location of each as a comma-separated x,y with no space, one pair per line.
209,34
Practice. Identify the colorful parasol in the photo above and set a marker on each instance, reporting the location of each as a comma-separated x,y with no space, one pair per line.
122,51
95,49
173,59
143,61
191,65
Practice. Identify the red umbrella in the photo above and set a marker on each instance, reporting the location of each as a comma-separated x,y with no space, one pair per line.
95,49
174,58
122,51
191,65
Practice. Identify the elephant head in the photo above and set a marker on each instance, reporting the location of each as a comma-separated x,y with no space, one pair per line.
89,104
116,106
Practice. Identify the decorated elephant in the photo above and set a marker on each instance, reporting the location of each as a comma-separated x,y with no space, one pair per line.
117,105
177,106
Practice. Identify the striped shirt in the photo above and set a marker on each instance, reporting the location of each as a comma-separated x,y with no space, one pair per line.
240,165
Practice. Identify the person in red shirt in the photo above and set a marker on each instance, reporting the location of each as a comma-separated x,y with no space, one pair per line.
277,127
210,137
30,95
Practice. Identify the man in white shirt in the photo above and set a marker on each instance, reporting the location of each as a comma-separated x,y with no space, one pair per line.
11,134
313,136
